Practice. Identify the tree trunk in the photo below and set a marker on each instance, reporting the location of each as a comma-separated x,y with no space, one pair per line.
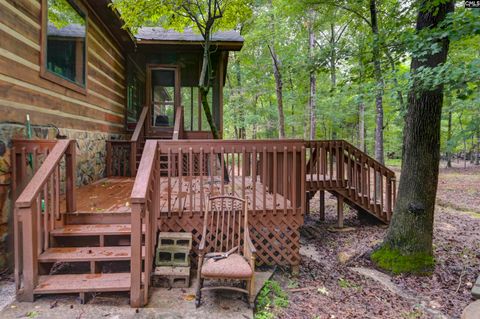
204,86
279,91
477,155
361,126
313,82
333,57
241,108
379,81
408,244
449,139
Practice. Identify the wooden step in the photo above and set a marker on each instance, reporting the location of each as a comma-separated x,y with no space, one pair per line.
78,283
94,230
73,254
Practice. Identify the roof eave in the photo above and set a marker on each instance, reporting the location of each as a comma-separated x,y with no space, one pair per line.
229,45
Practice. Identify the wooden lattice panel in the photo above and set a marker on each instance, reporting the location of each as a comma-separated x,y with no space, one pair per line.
275,236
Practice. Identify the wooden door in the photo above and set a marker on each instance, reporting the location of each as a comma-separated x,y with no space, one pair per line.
163,98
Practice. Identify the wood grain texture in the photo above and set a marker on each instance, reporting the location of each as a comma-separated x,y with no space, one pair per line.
23,90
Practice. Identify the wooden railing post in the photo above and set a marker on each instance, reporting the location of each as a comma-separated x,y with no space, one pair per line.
133,158
136,293
109,159
28,217
389,198
71,174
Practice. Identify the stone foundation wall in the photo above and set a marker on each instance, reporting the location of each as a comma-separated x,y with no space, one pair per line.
90,162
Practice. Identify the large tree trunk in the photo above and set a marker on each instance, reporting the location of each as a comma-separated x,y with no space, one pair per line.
379,81
313,82
408,244
279,91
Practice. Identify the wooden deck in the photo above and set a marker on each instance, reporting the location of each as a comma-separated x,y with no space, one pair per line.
184,195
110,195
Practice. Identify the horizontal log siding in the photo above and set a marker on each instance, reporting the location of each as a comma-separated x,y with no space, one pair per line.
23,91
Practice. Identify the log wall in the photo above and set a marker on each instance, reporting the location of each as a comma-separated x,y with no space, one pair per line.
23,91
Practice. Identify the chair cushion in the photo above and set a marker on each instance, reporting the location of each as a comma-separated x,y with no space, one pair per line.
234,266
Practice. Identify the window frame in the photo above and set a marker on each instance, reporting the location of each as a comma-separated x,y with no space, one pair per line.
44,71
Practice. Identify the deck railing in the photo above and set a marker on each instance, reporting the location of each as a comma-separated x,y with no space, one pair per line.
145,206
338,165
269,174
26,158
38,212
121,158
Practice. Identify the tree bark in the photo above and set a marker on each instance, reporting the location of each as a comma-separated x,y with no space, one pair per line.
361,126
279,91
313,81
241,108
379,83
477,153
408,244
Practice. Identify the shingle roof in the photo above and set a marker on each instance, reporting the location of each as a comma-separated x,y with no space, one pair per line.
70,31
160,34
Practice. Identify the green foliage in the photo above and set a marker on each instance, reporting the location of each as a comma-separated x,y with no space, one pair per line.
396,262
270,297
180,14
61,14
251,103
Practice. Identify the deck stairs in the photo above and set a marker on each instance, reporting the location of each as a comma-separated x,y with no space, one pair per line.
352,177
86,258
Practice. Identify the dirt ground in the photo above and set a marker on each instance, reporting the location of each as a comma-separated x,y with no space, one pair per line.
328,287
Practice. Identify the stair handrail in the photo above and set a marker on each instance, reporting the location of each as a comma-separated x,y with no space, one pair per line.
388,170
144,200
339,166
138,134
127,149
139,128
37,208
381,199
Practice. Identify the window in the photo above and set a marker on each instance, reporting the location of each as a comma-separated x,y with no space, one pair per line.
64,43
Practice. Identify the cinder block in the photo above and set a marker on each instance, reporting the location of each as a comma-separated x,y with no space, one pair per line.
173,240
476,289
171,277
172,257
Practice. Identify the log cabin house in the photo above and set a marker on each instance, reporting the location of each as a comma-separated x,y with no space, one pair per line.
120,150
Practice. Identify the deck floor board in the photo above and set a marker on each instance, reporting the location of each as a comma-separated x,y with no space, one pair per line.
112,195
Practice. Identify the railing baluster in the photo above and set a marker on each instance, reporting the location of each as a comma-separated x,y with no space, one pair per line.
201,182
285,179
264,182
222,169
180,186
233,170
244,171
254,181
190,160
275,171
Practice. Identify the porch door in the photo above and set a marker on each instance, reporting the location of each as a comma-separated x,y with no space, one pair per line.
163,96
